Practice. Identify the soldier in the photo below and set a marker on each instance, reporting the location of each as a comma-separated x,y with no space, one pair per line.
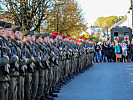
4,65
17,41
13,62
48,70
45,65
30,66
37,62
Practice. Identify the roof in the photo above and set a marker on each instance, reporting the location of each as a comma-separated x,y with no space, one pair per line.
118,23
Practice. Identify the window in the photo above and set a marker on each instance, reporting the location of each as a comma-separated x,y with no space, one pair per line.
115,33
126,33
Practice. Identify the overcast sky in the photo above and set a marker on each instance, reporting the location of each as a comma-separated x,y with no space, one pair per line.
93,9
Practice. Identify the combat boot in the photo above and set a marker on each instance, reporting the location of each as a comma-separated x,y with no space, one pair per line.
47,96
56,90
53,94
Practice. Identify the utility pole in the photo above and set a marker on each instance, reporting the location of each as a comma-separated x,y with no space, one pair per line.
58,14
107,32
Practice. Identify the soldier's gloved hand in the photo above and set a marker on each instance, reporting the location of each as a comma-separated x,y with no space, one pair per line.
44,58
60,48
23,61
37,59
5,60
52,54
14,59
29,60
70,50
33,59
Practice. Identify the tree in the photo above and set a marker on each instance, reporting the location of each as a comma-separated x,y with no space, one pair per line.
67,18
29,14
107,21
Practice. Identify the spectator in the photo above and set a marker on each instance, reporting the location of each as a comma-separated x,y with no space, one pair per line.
124,52
120,57
117,50
102,51
106,47
112,52
129,51
97,53
132,51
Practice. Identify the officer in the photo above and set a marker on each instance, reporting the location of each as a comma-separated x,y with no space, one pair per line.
45,65
17,42
35,74
4,65
55,66
30,66
48,70
13,62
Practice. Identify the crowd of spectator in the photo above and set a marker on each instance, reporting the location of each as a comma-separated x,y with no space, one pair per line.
113,52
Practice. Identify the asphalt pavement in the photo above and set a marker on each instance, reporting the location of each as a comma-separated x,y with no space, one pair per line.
104,81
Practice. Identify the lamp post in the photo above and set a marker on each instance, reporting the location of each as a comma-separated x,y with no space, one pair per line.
23,10
58,15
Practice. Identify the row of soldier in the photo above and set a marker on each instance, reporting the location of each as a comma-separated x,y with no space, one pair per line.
34,66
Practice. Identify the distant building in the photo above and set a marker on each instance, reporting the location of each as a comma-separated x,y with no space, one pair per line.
123,29
95,29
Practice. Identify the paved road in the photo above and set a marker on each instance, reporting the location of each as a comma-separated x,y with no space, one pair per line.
107,81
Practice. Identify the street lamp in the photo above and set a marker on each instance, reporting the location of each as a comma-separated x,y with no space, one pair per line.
23,10
58,13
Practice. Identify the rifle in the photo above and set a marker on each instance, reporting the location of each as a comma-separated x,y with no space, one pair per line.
4,53
47,61
60,50
31,64
15,64
23,57
54,60
38,55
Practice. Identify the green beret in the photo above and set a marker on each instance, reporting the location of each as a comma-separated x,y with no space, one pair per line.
47,34
2,23
15,28
8,25
32,33
25,33
50,36
38,35
43,35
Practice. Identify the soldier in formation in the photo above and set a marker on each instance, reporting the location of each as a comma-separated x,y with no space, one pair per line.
35,66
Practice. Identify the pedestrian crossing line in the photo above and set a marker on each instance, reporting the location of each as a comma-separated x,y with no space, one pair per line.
131,74
129,68
130,65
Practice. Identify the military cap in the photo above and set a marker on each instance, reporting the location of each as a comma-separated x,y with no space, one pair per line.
43,35
38,35
2,23
54,36
8,25
55,33
50,36
64,37
70,38
47,34
25,33
80,37
31,33
15,28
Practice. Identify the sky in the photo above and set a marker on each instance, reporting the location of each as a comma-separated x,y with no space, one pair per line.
92,9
